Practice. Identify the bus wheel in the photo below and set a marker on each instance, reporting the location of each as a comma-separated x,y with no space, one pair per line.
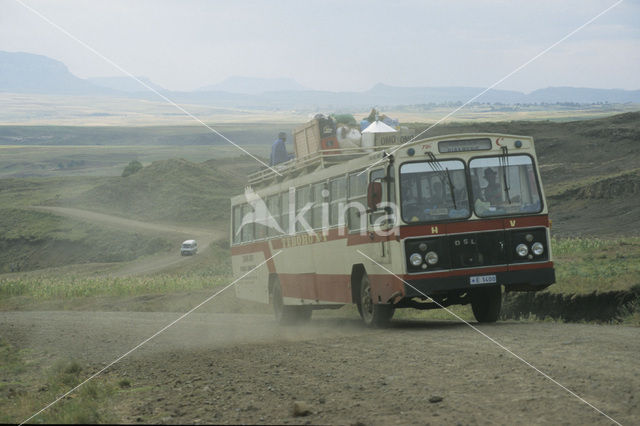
287,314
374,315
486,303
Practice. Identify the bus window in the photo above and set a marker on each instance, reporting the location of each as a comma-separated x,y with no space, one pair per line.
303,196
316,210
357,204
338,195
433,191
273,207
504,185
237,220
284,212
259,230
247,227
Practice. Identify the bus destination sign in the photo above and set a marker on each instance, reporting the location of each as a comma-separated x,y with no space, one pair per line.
463,145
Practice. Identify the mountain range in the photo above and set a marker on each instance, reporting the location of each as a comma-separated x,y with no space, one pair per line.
29,73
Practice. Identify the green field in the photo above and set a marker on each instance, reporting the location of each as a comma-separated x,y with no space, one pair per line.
104,160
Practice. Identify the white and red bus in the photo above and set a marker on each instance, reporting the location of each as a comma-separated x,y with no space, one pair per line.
441,221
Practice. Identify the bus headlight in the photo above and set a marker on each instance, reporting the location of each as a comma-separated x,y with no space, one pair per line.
522,250
415,259
537,249
431,258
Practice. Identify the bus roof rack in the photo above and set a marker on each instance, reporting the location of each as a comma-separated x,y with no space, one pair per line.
309,163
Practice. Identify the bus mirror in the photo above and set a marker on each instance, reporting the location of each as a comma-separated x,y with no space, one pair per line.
374,195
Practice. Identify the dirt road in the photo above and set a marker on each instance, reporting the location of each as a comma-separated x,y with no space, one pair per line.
150,264
233,368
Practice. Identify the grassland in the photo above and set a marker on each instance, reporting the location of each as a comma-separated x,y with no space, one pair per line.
70,160
77,288
586,265
34,240
27,109
34,384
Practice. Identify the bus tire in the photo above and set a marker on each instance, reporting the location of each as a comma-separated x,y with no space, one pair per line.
373,314
287,314
486,303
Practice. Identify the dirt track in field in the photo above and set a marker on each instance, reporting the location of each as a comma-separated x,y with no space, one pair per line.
235,368
156,263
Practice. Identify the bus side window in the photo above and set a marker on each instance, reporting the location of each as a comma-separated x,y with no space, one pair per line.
247,229
237,220
260,231
303,196
338,195
284,215
316,210
357,201
273,207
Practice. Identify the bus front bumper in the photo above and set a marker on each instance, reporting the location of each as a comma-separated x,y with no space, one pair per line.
518,280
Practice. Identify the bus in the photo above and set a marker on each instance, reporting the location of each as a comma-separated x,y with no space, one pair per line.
441,221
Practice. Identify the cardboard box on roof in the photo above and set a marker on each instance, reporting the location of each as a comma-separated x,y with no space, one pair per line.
316,135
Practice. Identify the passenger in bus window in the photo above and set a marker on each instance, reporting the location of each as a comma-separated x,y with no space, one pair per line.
481,205
492,191
437,196
410,204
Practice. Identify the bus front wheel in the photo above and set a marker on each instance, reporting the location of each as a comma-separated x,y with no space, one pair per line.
287,314
486,303
373,314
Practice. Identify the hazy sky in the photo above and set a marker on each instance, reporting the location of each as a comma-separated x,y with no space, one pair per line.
337,45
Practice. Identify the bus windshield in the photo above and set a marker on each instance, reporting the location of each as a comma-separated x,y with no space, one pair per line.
433,190
504,185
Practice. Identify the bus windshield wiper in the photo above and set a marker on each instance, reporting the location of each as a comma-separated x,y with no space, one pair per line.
504,165
444,175
451,189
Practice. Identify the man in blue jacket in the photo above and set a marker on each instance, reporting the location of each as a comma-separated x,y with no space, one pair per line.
279,151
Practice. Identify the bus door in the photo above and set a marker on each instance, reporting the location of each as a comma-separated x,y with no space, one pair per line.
381,219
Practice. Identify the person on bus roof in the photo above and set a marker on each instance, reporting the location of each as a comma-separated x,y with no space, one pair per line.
279,150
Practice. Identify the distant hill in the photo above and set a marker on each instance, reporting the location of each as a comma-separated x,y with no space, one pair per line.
254,86
583,95
125,84
175,190
28,73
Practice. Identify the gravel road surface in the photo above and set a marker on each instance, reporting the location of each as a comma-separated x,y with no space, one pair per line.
235,368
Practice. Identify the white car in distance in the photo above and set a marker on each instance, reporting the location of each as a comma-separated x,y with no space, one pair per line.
189,248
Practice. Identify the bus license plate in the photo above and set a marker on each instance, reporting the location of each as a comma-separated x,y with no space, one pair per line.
483,279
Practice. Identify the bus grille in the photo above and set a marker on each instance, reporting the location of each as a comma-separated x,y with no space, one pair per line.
477,249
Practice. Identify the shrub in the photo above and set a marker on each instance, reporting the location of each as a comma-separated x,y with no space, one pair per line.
133,167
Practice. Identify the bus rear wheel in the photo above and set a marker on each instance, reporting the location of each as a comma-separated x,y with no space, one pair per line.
486,303
373,314
287,314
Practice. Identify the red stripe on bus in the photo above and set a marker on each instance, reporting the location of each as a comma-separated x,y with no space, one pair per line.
478,271
324,287
299,286
337,287
405,231
472,226
334,287
261,246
